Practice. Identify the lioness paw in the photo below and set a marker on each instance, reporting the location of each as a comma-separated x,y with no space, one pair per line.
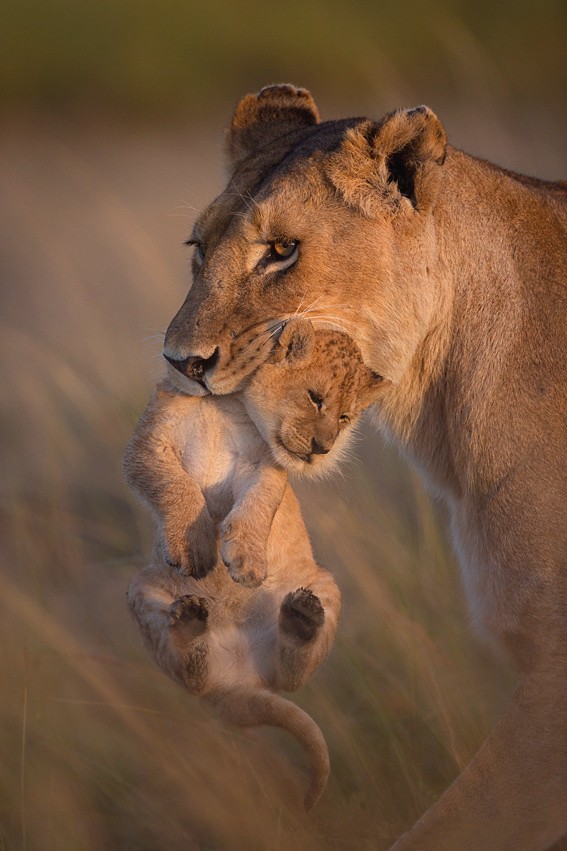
188,608
301,614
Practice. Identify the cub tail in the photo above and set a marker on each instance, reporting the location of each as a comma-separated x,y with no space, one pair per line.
247,707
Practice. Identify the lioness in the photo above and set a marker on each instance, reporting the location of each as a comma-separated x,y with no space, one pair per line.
450,274
202,464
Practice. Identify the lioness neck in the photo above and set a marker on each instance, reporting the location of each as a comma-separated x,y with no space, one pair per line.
500,315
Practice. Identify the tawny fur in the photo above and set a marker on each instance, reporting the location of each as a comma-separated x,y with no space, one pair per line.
236,634
450,274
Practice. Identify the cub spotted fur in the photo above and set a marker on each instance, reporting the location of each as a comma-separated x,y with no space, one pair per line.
236,636
451,275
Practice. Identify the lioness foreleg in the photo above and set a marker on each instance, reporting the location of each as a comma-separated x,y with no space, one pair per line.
513,795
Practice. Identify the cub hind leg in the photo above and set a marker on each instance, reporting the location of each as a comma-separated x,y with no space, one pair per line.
307,624
187,628
301,614
173,630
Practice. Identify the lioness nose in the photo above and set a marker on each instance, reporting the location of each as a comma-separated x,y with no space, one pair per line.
194,366
318,449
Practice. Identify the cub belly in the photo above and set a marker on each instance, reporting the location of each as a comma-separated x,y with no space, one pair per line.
218,441
241,655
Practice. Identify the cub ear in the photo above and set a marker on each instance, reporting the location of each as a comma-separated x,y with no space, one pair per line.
295,344
371,387
395,162
262,118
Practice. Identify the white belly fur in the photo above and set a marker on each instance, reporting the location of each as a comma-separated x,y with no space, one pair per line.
217,437
238,656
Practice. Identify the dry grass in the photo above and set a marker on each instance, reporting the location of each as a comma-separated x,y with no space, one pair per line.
99,750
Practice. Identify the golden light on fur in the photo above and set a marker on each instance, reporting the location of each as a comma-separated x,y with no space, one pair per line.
452,273
109,751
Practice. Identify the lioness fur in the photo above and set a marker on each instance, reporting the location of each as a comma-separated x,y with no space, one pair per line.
450,273
239,619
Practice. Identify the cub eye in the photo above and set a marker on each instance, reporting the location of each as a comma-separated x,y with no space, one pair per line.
316,399
344,418
283,251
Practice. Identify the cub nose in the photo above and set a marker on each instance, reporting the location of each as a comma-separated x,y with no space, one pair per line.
194,366
318,449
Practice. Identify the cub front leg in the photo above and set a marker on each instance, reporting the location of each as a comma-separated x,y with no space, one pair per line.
189,547
243,550
244,532
154,469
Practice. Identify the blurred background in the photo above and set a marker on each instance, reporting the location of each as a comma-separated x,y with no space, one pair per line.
110,142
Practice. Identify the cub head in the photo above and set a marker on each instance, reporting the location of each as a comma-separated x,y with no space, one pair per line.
332,220
306,398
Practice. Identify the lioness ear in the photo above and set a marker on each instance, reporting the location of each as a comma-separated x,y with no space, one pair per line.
296,343
380,165
261,118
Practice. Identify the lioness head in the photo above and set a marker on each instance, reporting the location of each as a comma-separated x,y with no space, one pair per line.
305,399
329,221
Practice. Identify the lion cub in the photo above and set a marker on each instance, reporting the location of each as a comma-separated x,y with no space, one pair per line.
234,606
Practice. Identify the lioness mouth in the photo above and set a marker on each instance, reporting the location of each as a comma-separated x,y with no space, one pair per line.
194,367
200,381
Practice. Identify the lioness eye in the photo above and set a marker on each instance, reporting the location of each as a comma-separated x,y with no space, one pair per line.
316,399
344,418
283,251
199,249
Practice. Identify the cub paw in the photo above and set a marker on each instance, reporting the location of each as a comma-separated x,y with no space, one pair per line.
301,614
241,555
194,552
188,608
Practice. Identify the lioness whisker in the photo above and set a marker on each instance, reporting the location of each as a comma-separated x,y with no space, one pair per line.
309,307
277,328
298,308
240,195
250,198
326,307
184,206
330,317
335,320
158,335
272,329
